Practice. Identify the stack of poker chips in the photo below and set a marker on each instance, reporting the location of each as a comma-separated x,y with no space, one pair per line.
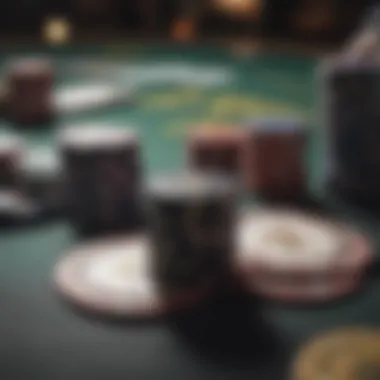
14,203
296,257
192,218
350,98
267,155
30,91
215,148
102,177
274,158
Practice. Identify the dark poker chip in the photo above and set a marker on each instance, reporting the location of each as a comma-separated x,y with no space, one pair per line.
191,217
16,209
102,174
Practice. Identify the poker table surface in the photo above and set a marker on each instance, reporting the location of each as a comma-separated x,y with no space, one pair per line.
175,88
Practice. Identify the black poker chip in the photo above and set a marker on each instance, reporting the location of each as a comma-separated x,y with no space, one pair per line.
351,97
102,172
191,218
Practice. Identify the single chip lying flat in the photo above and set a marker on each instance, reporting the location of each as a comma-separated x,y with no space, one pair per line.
112,278
289,239
79,98
294,257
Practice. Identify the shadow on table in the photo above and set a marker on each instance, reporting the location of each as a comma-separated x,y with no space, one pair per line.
230,331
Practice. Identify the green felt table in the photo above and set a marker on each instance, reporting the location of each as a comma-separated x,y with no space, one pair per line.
41,338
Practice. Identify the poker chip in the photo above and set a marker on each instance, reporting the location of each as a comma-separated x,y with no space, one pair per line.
11,154
30,86
297,257
81,98
4,93
15,208
42,175
102,174
350,353
213,148
274,158
112,278
191,219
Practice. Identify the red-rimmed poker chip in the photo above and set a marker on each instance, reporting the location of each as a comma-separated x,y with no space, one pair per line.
298,257
216,148
112,278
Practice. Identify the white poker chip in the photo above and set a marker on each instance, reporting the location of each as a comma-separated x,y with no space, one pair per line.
10,144
75,98
14,204
289,240
41,162
95,136
113,278
297,257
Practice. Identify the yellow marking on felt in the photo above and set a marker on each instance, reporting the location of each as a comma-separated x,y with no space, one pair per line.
57,31
169,100
180,128
247,107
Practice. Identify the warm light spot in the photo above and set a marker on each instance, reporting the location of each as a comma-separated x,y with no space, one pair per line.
57,31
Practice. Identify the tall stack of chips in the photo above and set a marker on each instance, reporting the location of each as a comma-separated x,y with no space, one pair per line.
102,177
350,96
192,218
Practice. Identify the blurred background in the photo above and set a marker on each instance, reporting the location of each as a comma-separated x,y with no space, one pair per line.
318,21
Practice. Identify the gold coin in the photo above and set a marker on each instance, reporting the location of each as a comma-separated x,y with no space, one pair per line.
331,355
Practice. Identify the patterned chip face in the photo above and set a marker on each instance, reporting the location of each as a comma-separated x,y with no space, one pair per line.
288,240
122,270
